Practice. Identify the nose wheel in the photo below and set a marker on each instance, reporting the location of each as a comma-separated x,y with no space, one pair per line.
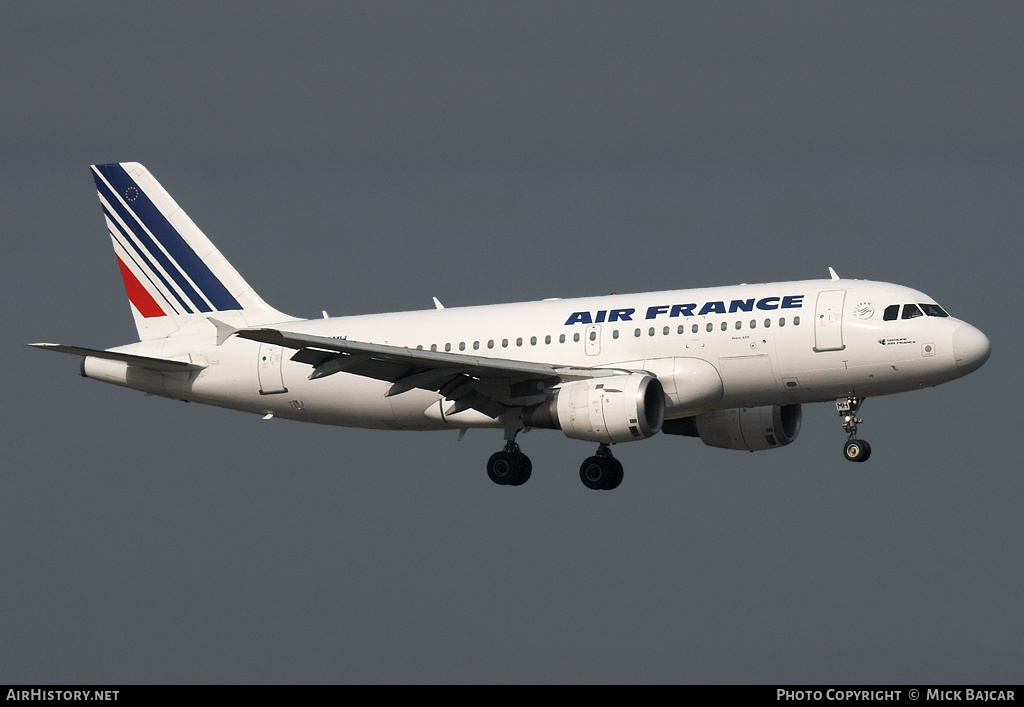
601,472
855,450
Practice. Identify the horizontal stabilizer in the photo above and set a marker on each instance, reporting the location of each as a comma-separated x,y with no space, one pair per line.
153,364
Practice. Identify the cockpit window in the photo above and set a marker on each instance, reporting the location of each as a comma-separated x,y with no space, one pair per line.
934,310
891,312
911,310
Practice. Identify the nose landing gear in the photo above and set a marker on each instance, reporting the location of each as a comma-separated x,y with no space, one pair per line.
855,450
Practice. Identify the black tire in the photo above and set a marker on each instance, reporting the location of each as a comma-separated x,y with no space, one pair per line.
616,479
867,451
502,468
601,473
524,468
856,450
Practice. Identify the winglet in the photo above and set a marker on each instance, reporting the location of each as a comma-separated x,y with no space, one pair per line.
833,274
437,303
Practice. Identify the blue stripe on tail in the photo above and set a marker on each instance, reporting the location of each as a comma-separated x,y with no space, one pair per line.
146,265
144,211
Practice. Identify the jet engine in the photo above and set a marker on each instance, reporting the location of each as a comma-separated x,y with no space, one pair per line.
607,410
751,429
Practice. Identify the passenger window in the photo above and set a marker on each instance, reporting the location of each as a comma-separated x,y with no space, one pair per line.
710,326
615,334
636,333
547,339
665,331
490,344
782,321
694,329
504,343
911,311
796,321
680,328
725,325
753,324
533,340
433,347
739,325
447,347
576,337
561,338
593,336
767,323
420,347
476,345
519,341
462,346
650,332
890,313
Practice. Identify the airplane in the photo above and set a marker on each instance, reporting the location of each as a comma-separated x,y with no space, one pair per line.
731,365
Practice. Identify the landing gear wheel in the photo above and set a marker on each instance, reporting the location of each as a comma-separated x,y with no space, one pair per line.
502,467
508,468
616,475
857,450
525,469
594,472
601,473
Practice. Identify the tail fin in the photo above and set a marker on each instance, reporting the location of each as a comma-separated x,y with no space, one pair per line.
174,276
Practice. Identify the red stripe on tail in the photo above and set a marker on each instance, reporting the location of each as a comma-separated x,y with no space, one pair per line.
138,295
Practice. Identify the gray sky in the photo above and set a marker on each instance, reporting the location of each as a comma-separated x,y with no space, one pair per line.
361,157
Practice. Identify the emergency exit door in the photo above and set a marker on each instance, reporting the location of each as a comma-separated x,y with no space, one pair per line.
269,367
592,341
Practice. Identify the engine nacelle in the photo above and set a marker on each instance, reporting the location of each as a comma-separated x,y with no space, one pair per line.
751,429
608,410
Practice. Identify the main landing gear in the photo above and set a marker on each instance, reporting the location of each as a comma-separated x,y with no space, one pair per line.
509,467
601,472
855,450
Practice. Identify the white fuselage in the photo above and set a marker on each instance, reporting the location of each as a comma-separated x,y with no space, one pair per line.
770,344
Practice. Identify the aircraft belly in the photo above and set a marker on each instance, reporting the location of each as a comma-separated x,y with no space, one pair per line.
231,379
870,379
749,380
342,399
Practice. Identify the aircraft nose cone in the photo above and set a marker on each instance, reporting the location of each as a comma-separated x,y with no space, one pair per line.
971,349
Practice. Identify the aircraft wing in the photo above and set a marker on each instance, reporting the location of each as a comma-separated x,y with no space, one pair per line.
490,385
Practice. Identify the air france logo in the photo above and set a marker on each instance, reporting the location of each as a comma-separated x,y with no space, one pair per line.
687,310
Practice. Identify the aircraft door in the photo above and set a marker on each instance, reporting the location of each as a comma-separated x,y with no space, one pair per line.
269,366
592,339
828,321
